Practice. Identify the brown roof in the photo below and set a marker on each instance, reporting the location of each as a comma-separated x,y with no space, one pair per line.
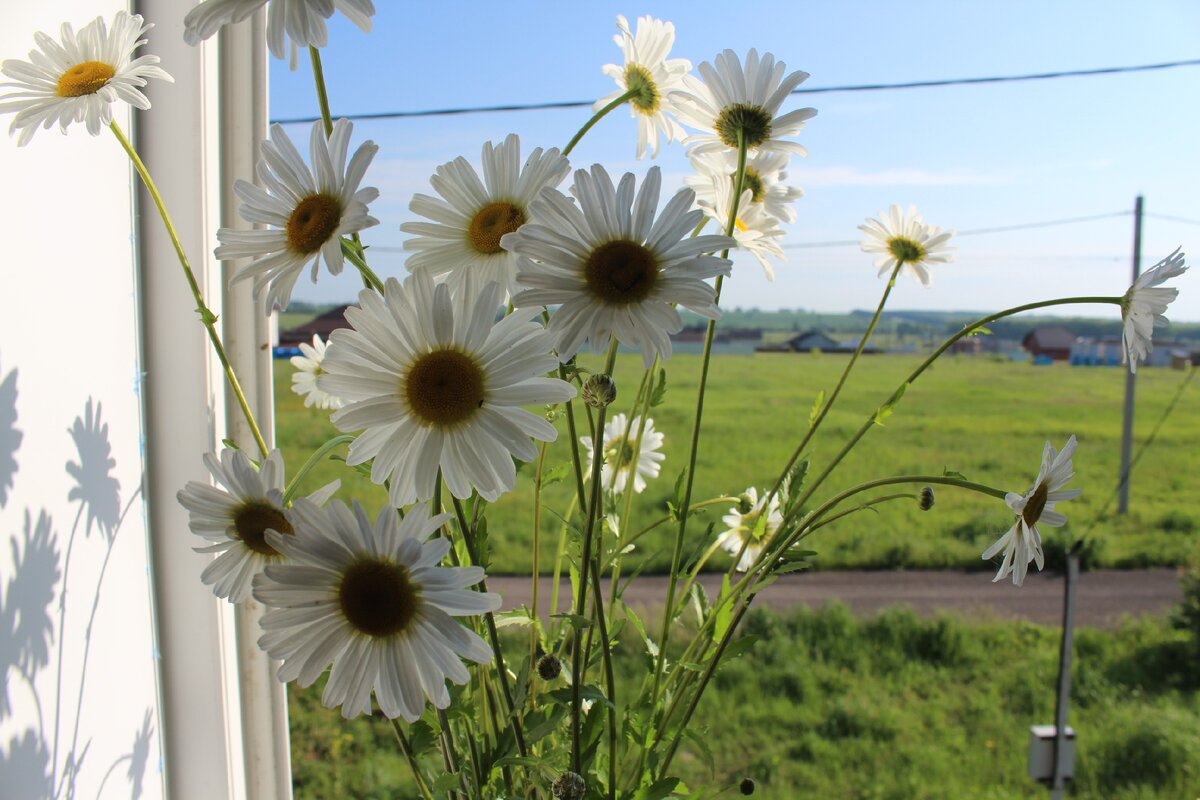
323,325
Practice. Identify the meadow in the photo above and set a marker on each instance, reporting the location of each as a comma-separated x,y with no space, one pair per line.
826,705
986,419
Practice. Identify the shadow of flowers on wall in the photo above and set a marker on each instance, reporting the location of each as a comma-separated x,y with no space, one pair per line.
46,761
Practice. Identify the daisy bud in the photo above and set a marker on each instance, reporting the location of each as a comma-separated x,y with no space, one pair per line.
926,500
548,667
568,786
599,391
746,787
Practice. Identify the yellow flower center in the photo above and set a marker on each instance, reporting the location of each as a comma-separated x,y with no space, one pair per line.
86,78
905,249
619,455
754,182
378,598
752,121
314,220
1036,504
647,99
621,273
444,388
254,519
490,223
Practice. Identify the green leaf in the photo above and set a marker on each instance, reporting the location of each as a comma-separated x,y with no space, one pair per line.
816,408
555,474
518,616
658,790
885,410
702,748
739,646
677,492
206,316
724,609
949,473
445,783
588,692
979,330
577,621
660,389
421,737
230,444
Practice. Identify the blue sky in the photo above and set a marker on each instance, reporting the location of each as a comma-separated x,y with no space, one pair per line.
969,157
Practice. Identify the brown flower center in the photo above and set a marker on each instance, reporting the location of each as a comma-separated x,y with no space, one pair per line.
378,598
490,223
621,273
86,78
752,121
254,519
444,388
312,223
905,249
647,100
1035,505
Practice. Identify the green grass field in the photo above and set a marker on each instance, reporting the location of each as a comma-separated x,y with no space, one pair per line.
825,705
984,418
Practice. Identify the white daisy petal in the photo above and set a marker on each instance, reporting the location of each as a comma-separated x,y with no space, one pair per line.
623,457
747,532
906,238
383,618
298,23
1143,306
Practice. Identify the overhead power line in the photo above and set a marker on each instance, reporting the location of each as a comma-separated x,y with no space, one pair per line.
1169,218
862,87
974,231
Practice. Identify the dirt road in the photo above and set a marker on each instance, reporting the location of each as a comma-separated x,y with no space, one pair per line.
1104,596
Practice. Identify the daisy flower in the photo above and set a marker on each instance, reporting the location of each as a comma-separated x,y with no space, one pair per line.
654,76
79,78
235,515
614,268
471,215
372,601
746,524
754,230
309,211
308,369
732,100
905,238
301,21
764,179
1023,543
434,382
1143,305
621,451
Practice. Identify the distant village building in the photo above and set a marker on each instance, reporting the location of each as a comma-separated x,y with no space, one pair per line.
1106,351
323,325
812,340
1049,342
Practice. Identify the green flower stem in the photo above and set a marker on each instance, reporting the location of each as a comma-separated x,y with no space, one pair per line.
314,55
407,750
916,373
312,461
639,410
898,480
599,115
664,520
610,681
677,552
585,563
468,535
559,555
449,755
208,318
352,251
536,571
874,501
812,429
573,433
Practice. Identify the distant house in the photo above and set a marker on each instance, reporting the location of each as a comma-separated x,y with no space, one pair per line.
1049,342
809,341
323,325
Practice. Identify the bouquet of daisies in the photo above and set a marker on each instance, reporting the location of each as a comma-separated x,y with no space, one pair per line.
448,378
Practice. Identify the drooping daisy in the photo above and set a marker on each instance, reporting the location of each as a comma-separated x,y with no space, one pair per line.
748,529
614,268
309,211
471,216
235,514
754,230
308,369
648,70
1023,542
732,100
764,178
1143,306
434,382
301,21
372,601
620,449
79,78
900,237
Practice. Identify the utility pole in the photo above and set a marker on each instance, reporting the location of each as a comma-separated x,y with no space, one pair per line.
1127,425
